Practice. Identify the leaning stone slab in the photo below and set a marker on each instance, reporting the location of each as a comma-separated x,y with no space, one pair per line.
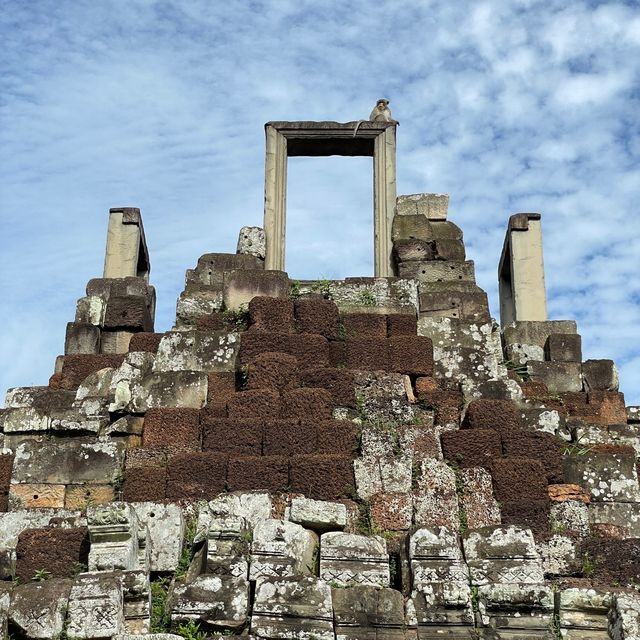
165,526
318,515
348,559
293,609
95,606
205,351
67,462
281,549
432,205
38,609
218,602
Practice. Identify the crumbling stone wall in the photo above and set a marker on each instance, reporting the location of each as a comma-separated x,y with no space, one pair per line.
332,459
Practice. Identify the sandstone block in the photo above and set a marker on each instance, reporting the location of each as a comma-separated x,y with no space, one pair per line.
115,541
600,375
68,462
405,251
79,496
563,347
391,511
38,609
432,205
115,341
349,559
128,312
382,396
35,496
90,310
219,602
435,501
292,608
438,270
318,515
251,241
536,332
197,351
82,338
458,300
411,227
559,377
95,606
241,286
280,549
477,502
165,533
211,266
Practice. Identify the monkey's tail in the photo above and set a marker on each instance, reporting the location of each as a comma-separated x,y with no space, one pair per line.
357,127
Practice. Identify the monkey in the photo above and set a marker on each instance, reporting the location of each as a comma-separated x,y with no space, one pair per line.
379,113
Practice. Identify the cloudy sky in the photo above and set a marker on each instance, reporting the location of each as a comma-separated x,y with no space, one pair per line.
507,105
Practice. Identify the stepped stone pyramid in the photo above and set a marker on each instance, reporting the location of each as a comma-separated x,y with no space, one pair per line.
372,458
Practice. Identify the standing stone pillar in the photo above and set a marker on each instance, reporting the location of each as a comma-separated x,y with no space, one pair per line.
521,271
126,253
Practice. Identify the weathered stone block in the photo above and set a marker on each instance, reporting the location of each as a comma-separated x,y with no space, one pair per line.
361,325
539,446
36,496
499,415
144,484
115,341
288,438
197,302
477,502
258,472
172,430
292,608
38,609
412,249
68,462
349,559
59,552
211,266
432,205
382,396
24,420
241,286
559,377
616,519
90,310
401,324
276,371
563,347
584,611
197,351
240,437
504,555
435,501
114,532
368,612
196,475
411,355
82,338
281,549
271,314
165,532
391,511
317,315
307,403
263,404
145,341
228,547
367,354
458,300
127,312
339,382
338,437
411,227
536,332
318,515
519,479
79,496
77,367
471,447
309,349
600,375
221,603
438,270
625,617
251,241
95,606
559,555
322,477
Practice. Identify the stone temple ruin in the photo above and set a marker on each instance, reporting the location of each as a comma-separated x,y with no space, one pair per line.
366,459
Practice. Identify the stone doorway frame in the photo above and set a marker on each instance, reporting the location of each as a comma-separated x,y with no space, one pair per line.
300,138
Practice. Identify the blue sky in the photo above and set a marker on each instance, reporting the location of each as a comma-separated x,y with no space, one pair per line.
514,105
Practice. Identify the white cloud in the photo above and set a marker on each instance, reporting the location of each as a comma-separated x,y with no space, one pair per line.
508,106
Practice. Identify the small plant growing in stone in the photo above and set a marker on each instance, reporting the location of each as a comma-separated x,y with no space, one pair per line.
41,575
576,448
78,567
519,368
323,287
588,566
294,291
159,614
366,298
237,320
191,631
